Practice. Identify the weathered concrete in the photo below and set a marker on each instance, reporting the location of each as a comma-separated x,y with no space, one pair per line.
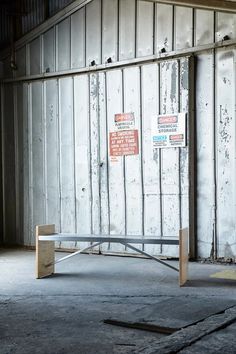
65,313
188,336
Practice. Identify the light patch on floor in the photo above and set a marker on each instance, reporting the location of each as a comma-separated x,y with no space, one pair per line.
225,274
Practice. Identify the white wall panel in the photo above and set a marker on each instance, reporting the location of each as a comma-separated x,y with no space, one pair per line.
103,152
109,30
170,183
225,26
163,27
78,39
204,27
49,50
37,150
94,153
226,147
66,136
93,32
183,27
82,156
151,160
144,37
52,152
35,56
205,152
63,45
116,168
133,174
126,29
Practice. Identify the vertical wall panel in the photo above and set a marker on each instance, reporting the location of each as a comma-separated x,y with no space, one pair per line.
133,174
26,172
19,126
225,26
169,96
93,32
49,50
20,62
78,39
226,147
184,80
109,30
183,27
144,28
7,71
52,153
67,185
35,56
204,27
37,154
8,161
205,152
95,163
104,197
126,29
116,167
151,166
63,45
82,156
163,27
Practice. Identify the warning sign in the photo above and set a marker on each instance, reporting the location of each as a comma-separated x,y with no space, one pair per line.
124,121
124,143
169,131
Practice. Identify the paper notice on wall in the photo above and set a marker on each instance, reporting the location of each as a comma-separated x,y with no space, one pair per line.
124,143
123,139
124,121
169,131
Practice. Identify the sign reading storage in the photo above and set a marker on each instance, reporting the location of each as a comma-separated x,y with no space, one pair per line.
169,131
124,139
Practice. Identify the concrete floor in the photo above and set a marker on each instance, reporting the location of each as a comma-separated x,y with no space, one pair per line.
65,313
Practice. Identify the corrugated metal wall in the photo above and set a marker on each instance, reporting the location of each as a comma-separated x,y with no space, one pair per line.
36,11
68,178
124,30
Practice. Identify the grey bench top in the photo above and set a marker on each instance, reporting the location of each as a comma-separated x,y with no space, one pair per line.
110,238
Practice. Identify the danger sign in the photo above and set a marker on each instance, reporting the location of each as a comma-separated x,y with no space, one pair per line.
169,131
124,121
124,143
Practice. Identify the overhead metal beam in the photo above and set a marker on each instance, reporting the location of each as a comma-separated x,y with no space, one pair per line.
218,5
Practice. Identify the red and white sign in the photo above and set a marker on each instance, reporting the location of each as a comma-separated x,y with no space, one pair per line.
124,121
169,131
124,143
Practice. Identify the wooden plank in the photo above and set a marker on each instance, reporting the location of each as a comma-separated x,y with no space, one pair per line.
183,256
44,251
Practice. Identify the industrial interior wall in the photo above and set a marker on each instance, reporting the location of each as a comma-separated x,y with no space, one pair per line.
56,165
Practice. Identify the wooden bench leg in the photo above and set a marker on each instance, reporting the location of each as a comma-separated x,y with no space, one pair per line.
183,256
44,251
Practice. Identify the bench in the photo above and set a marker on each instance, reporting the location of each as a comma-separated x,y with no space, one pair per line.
46,238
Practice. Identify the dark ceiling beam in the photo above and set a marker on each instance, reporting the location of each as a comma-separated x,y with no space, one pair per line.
218,5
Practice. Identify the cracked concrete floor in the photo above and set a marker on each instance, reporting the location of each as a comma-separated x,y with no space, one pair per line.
65,313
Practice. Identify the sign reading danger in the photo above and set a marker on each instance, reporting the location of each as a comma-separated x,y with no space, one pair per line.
169,131
124,121
124,143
